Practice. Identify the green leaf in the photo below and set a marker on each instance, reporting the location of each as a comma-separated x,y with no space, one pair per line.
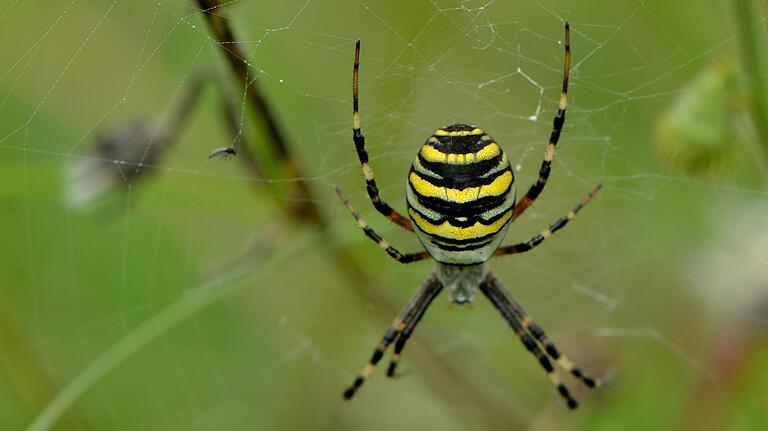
697,133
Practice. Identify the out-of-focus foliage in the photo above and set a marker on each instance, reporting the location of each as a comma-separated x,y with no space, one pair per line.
697,134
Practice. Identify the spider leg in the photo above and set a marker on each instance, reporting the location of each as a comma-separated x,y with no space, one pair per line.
557,127
393,252
554,227
549,347
362,154
496,294
421,308
427,290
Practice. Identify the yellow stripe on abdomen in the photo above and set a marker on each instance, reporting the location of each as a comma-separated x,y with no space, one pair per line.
447,230
473,132
432,154
497,188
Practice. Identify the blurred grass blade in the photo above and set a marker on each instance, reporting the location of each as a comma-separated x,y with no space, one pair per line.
190,303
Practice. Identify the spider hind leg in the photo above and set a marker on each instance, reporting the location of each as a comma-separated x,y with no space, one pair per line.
534,339
400,330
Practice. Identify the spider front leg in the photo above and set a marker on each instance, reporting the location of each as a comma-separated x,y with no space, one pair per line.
410,313
362,154
557,127
370,233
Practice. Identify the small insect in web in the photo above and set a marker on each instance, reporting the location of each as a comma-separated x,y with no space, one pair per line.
461,202
223,153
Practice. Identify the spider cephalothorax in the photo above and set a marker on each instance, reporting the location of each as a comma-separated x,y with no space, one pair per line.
461,201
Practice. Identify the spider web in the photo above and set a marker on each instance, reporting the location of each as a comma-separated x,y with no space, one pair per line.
170,302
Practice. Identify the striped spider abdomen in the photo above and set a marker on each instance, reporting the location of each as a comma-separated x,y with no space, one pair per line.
461,195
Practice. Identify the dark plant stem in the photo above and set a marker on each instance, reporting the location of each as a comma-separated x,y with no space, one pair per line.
752,76
185,105
304,206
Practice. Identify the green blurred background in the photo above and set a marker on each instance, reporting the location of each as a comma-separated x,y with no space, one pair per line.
163,306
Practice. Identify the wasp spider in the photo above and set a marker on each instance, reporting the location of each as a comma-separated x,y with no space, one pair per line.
461,200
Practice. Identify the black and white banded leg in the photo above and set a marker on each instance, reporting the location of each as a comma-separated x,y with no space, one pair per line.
370,233
547,233
557,127
495,293
362,154
421,308
425,294
549,347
